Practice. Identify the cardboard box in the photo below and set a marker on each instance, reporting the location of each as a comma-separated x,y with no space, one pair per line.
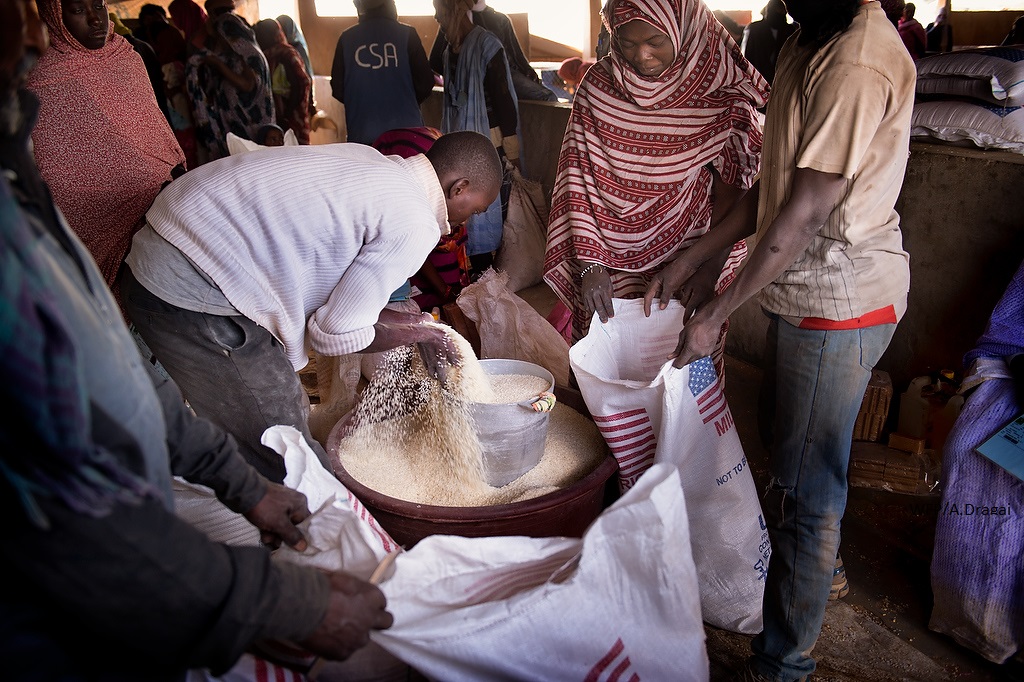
874,410
874,465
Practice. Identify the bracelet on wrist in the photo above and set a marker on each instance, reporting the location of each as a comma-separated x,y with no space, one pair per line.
584,271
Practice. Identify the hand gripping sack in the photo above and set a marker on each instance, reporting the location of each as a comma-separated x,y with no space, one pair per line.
342,536
619,604
648,412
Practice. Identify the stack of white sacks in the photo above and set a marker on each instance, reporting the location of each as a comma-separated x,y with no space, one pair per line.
972,98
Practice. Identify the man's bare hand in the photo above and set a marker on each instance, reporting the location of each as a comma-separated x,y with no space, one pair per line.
354,607
667,283
698,290
700,336
277,514
437,351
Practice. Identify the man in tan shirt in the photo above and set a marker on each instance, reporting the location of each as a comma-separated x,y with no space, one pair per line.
832,276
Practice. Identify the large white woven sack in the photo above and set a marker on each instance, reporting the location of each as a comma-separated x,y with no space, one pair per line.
978,124
620,604
990,74
650,412
341,533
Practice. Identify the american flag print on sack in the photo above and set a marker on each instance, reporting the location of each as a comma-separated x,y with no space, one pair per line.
614,666
707,389
630,437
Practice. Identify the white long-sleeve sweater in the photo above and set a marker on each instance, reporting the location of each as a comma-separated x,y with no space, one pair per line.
309,242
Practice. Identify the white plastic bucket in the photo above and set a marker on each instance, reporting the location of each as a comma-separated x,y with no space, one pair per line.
511,434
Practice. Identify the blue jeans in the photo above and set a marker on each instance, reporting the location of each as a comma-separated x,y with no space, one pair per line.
819,379
232,371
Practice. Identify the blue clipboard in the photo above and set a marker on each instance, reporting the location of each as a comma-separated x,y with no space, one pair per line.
1006,447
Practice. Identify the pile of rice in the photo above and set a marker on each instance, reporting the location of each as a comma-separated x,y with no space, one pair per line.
412,438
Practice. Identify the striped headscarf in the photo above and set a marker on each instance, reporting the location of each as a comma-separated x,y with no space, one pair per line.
101,142
633,183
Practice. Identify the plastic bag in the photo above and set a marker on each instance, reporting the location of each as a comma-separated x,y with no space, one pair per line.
511,329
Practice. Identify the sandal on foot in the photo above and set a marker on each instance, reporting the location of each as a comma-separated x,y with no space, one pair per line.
840,586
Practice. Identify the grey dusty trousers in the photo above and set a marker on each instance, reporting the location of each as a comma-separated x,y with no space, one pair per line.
232,372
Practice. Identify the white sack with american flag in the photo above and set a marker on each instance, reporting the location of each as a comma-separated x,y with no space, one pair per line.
619,605
650,412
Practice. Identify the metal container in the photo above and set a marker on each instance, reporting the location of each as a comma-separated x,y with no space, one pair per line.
511,434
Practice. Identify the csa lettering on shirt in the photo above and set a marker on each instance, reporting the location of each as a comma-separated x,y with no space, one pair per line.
376,55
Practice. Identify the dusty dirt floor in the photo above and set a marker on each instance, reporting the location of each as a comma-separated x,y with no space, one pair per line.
879,631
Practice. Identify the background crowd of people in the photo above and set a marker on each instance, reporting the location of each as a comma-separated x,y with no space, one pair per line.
121,199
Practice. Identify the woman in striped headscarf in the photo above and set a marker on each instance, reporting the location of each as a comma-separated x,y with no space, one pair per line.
662,140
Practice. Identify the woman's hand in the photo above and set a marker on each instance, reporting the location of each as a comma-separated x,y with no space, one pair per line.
670,281
596,292
699,289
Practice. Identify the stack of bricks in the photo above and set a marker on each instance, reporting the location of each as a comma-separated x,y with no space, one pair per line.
873,465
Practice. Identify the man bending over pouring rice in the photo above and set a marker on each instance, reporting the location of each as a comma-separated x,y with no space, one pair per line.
247,262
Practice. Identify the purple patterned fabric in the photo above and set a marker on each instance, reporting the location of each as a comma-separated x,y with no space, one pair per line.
1004,335
978,563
